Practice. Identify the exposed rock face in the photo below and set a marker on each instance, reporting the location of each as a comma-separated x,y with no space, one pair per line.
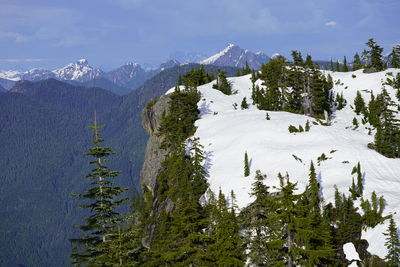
151,118
154,156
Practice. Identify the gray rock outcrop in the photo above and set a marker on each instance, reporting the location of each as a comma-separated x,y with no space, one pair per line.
154,155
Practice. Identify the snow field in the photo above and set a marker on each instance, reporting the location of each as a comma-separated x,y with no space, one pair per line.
227,134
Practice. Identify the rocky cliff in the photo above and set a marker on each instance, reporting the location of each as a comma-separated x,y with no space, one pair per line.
154,155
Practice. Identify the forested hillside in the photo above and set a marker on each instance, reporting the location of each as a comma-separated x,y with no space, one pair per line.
43,136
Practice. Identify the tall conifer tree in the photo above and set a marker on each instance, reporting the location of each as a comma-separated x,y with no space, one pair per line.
393,245
374,55
357,62
345,67
95,246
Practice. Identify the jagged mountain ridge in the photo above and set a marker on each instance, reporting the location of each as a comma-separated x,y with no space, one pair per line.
234,56
79,71
120,80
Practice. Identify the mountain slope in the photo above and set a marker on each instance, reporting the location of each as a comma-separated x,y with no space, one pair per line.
43,137
234,56
130,75
227,134
6,84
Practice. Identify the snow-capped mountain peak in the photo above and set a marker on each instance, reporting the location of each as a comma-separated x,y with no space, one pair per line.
83,61
79,71
233,55
217,56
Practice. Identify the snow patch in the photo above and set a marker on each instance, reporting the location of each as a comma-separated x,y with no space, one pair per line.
350,252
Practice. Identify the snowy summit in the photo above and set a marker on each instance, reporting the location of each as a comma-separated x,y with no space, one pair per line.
234,56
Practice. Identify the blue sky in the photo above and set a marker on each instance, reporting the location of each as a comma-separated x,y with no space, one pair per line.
52,33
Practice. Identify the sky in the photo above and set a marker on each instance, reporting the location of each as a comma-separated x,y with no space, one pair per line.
109,33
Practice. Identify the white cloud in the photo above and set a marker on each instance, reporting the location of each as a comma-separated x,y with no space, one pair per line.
331,23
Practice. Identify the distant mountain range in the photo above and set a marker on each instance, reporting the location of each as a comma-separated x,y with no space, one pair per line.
131,75
121,80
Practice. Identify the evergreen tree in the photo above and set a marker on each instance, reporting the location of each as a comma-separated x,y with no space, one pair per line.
360,187
296,80
374,55
222,83
393,245
313,190
357,62
337,66
312,229
179,236
273,75
195,77
227,246
264,236
297,58
348,220
244,104
353,190
395,55
355,123
246,165
340,101
319,95
267,117
127,246
373,210
178,227
309,63
374,111
387,137
345,67
307,127
359,104
97,245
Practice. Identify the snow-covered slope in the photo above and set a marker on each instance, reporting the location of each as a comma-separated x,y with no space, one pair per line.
30,75
227,134
79,71
234,56
12,75
37,75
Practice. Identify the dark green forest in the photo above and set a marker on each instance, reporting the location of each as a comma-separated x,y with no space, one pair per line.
43,136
